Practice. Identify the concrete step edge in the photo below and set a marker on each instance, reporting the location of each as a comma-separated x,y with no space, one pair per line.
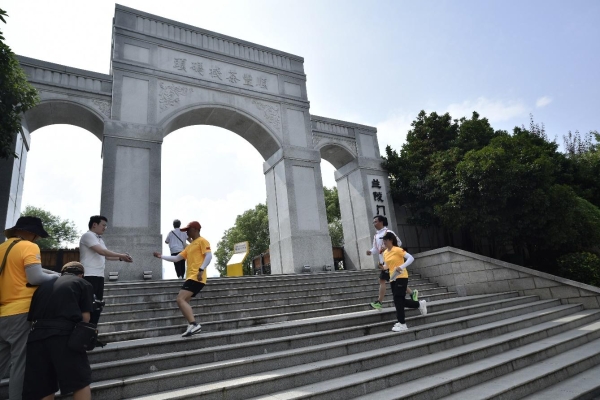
431,332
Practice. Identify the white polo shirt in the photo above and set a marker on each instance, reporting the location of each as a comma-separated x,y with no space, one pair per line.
176,240
91,261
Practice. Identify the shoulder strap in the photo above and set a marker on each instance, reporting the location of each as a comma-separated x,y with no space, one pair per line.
174,234
6,255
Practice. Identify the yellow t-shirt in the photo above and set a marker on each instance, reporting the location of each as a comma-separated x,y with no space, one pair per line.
15,297
195,253
394,258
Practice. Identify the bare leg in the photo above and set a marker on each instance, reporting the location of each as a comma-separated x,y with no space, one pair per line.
83,394
50,397
381,290
408,290
183,301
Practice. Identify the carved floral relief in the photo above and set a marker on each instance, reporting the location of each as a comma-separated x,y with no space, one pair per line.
169,94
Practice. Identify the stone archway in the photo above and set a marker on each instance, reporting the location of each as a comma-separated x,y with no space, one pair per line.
361,182
166,75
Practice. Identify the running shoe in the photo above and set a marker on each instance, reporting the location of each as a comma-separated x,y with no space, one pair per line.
399,327
415,295
376,305
192,330
423,307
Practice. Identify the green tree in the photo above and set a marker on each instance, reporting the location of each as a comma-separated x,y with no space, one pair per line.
334,216
251,226
332,204
583,153
16,96
61,232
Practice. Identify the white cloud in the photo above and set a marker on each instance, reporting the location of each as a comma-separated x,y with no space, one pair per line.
493,110
543,101
393,130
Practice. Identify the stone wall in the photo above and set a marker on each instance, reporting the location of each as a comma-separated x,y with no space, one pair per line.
471,274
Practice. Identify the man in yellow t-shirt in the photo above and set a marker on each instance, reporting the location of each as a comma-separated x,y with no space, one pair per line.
22,266
198,256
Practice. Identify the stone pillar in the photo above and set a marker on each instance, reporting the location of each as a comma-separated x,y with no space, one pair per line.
297,218
363,193
12,176
131,198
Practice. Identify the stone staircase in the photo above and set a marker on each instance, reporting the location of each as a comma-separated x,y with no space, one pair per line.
315,337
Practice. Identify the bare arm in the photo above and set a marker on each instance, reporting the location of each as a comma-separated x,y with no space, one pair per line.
111,255
85,316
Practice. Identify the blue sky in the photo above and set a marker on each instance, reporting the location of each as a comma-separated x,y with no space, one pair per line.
376,63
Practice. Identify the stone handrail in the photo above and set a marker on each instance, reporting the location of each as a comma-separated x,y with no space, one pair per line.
472,274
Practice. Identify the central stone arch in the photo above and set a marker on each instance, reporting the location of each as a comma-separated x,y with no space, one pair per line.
166,75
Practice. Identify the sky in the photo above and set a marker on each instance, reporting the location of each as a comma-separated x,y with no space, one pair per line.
371,62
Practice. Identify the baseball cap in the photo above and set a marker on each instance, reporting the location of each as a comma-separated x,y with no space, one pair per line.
193,224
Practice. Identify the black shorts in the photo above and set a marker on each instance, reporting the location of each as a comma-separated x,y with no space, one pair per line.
192,286
52,365
385,275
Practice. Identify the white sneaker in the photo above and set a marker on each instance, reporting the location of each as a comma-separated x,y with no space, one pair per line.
192,330
423,307
399,327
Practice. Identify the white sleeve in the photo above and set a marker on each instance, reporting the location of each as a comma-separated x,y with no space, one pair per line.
167,240
172,258
207,259
374,249
36,275
409,260
88,239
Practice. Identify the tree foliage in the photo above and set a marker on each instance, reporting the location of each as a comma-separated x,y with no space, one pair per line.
334,216
516,192
16,96
61,232
253,226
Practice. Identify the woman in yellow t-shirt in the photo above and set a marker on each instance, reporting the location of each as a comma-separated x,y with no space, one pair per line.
397,260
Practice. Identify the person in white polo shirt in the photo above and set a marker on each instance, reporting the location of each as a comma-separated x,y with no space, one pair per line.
176,239
93,255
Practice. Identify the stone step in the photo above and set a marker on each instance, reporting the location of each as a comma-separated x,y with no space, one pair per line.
532,379
138,329
576,349
158,300
585,385
231,309
311,347
382,365
247,301
245,281
303,289
358,324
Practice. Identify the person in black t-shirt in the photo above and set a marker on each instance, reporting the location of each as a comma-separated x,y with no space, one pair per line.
55,309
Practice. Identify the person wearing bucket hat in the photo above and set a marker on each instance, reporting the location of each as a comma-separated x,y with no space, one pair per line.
21,265
51,363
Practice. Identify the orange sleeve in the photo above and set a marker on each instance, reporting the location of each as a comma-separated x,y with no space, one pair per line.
205,247
31,254
184,253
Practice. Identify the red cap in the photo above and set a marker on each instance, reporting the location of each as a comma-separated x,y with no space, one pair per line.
193,224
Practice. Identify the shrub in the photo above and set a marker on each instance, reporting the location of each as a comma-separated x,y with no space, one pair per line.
582,267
